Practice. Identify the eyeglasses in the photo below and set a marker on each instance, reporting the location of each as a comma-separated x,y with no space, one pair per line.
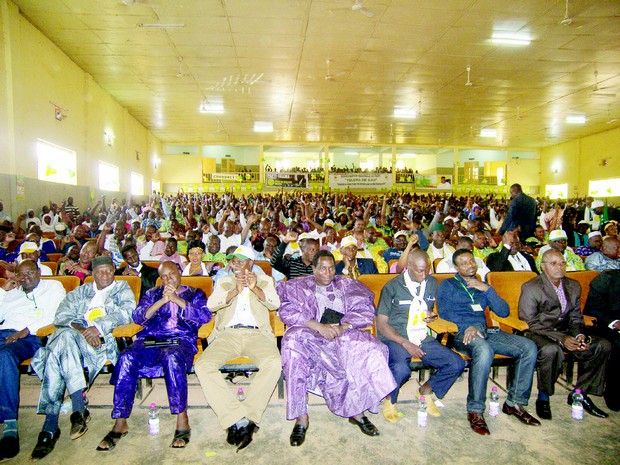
27,274
562,263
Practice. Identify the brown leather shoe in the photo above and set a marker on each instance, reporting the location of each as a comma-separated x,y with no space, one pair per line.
521,414
477,423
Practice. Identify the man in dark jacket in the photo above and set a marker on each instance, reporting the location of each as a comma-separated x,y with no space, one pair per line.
510,257
550,305
521,213
603,303
134,267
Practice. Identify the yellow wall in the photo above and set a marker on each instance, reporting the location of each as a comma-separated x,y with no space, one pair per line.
33,73
182,169
579,161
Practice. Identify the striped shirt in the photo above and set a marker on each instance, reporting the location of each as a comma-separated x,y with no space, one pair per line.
289,267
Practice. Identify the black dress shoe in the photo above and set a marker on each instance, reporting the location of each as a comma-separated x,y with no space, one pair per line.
45,444
9,447
365,425
588,406
232,437
543,409
78,424
245,435
592,409
298,436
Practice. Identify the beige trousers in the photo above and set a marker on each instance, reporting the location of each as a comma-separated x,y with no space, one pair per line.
229,344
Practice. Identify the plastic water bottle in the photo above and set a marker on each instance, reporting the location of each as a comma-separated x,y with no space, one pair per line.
494,402
577,405
153,419
422,413
240,394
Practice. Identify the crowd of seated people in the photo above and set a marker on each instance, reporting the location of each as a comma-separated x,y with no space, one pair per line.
314,244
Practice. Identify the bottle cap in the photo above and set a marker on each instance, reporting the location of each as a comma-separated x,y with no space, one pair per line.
153,405
240,389
422,399
494,388
577,391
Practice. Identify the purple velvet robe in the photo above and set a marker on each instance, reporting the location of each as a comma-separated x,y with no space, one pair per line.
172,362
351,372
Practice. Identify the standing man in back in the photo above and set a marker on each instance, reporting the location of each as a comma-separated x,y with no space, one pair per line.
521,213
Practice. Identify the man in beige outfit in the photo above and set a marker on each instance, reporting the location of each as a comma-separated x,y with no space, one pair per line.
241,303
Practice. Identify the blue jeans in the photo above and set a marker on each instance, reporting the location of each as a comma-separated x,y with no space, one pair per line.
448,363
11,355
482,352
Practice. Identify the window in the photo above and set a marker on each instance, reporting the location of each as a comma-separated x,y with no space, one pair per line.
108,177
56,164
136,181
155,185
604,188
556,191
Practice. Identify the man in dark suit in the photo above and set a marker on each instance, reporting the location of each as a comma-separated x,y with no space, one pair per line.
603,303
550,305
134,267
510,257
521,213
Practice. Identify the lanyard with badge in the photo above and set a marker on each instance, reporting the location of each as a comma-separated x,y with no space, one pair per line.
474,306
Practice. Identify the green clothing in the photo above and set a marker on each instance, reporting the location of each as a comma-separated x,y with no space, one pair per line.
215,257
573,261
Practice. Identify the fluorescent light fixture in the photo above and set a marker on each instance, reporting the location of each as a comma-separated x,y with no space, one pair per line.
263,126
503,38
351,153
405,113
206,107
576,119
488,132
162,25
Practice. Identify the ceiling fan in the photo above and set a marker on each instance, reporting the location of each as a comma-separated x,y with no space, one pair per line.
328,75
358,6
596,90
567,20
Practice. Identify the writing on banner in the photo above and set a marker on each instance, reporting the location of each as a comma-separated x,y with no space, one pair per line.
278,180
224,176
360,181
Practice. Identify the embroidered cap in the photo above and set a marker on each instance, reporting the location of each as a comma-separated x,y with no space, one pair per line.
557,235
348,241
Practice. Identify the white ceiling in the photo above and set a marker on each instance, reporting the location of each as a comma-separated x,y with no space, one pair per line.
265,60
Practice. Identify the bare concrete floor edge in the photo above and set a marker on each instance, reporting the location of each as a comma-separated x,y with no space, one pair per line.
331,439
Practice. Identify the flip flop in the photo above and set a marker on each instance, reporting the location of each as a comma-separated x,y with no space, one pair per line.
183,435
111,439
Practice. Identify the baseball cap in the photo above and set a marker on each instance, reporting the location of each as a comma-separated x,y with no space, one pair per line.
557,234
348,241
400,233
243,252
28,247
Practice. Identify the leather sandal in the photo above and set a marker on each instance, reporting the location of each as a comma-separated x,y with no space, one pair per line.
182,435
111,439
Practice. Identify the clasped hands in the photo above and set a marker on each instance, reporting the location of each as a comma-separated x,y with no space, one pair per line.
579,343
330,331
